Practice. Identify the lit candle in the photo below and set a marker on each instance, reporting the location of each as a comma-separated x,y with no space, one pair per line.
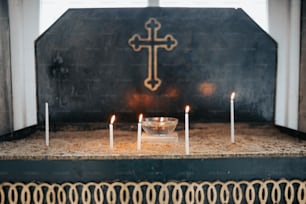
232,118
47,123
187,108
139,133
111,132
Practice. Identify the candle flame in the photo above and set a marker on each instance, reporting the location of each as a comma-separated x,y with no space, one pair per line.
140,118
187,109
233,96
112,119
161,119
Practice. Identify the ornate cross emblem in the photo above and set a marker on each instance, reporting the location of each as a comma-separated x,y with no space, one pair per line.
152,42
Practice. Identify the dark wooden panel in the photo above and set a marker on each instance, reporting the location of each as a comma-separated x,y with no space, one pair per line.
302,83
86,69
5,72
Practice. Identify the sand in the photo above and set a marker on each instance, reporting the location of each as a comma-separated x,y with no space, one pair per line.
207,140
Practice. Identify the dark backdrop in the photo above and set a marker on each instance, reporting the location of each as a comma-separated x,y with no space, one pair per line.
86,69
6,112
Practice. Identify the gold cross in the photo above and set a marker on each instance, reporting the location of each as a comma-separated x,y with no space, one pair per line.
152,43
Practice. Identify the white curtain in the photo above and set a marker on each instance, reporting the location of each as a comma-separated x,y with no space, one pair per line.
284,27
24,24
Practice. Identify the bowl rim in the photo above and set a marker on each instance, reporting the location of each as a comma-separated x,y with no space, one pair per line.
157,119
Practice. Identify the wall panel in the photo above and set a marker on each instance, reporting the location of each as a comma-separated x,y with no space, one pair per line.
5,71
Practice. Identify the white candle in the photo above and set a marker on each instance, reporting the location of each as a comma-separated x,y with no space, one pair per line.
47,123
187,108
232,118
139,132
111,132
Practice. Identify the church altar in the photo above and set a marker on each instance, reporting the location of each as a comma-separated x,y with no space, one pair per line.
92,63
79,165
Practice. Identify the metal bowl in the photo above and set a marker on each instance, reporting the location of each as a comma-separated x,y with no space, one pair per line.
159,125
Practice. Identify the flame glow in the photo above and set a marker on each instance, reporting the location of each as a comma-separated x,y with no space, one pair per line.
112,119
233,96
207,89
187,109
140,118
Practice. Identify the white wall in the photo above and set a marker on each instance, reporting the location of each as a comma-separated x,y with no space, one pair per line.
284,27
24,24
256,9
51,10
